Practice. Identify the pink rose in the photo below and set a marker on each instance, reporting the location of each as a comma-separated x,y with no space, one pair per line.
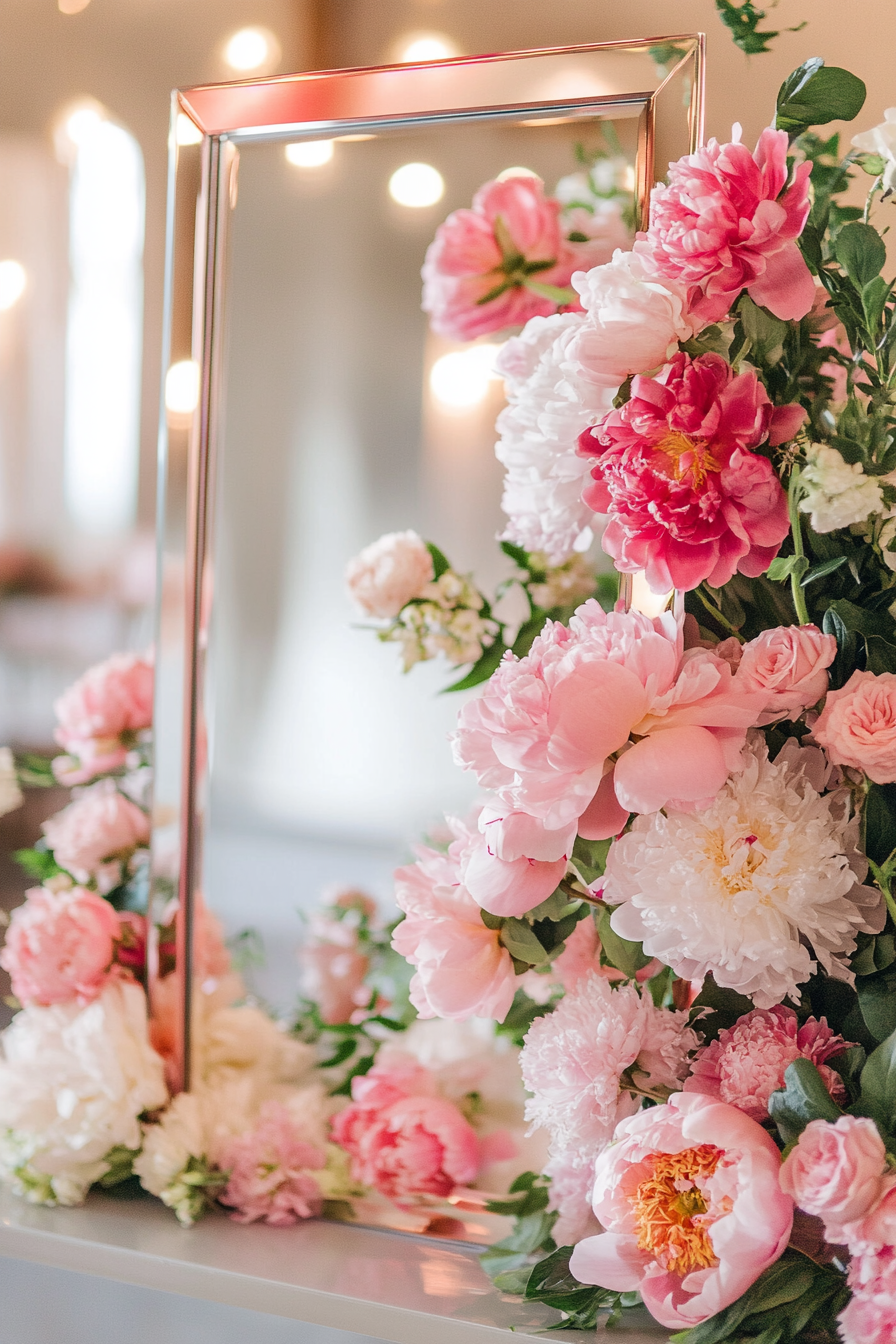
271,1170
688,499
59,946
688,1194
725,223
462,969
748,1061
96,834
389,573
789,663
100,715
836,1171
857,726
403,1142
484,269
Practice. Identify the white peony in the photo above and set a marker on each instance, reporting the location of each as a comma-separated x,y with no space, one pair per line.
548,408
837,493
73,1082
881,140
244,1043
748,887
389,573
10,793
633,321
169,1144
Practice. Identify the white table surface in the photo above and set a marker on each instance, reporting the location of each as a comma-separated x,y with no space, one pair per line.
404,1290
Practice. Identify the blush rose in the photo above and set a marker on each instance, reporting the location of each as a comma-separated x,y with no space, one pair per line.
836,1171
789,663
857,726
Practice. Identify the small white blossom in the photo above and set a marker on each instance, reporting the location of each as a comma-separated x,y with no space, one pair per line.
446,621
881,140
564,585
837,493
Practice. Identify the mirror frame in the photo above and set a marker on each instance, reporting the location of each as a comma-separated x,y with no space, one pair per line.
203,183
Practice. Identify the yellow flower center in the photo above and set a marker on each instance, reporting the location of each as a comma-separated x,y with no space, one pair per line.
669,1209
689,457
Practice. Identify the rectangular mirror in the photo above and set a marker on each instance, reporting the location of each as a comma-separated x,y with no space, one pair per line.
309,408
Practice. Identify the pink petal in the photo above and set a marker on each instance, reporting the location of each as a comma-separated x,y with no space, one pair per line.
787,288
603,816
610,1260
684,763
591,714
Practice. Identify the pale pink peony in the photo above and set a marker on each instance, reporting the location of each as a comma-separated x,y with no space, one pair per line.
96,834
870,1315
545,730
747,1062
462,970
60,946
271,1170
857,726
402,1139
836,1171
572,1178
100,715
688,1194
483,270
789,663
513,863
725,222
688,500
876,1228
389,573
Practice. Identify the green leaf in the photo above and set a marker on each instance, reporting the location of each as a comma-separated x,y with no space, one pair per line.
743,22
590,858
522,1013
874,299
554,294
38,862
513,1281
804,1097
481,670
878,1095
783,1282
625,956
861,252
439,563
821,570
521,942
815,94
516,554
765,332
782,568
877,1000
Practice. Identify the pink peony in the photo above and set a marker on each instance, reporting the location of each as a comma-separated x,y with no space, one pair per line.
100,715
513,864
271,1171
96,834
789,663
389,573
402,1139
747,1062
870,1316
484,269
462,968
333,968
60,945
725,222
688,500
547,727
857,726
689,1196
836,1171
572,1177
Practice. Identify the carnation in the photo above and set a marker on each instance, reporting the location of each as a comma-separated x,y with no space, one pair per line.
837,493
748,887
95,836
272,1171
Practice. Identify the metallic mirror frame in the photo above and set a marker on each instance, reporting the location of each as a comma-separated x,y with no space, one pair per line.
202,190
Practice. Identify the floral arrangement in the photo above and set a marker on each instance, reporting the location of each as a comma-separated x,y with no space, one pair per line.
677,888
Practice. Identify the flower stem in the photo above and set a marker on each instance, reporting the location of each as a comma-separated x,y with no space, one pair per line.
717,616
796,530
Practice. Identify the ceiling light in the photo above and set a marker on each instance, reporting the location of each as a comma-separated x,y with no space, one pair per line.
515,172
416,185
426,47
182,387
12,283
188,133
252,49
462,379
310,153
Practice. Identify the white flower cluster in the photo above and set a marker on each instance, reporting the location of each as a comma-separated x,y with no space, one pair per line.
837,493
881,140
564,585
446,620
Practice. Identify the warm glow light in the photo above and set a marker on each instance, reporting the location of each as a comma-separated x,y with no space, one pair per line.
188,133
516,172
251,49
82,124
427,47
645,600
72,6
462,379
12,283
182,387
310,153
416,185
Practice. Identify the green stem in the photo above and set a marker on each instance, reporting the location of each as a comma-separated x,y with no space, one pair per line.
796,530
717,616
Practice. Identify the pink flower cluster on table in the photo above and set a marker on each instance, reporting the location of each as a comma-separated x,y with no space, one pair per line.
404,1140
100,715
97,833
60,945
271,1171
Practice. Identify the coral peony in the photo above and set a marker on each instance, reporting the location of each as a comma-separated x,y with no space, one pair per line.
688,500
487,267
94,836
402,1141
271,1171
389,573
462,970
60,946
857,726
689,1196
789,664
836,1171
100,714
727,221
746,1064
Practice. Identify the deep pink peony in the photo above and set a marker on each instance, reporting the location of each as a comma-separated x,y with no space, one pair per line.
836,1172
688,500
483,269
271,1170
789,663
402,1139
547,727
857,726
462,970
96,834
60,945
693,1211
728,221
100,713
746,1064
